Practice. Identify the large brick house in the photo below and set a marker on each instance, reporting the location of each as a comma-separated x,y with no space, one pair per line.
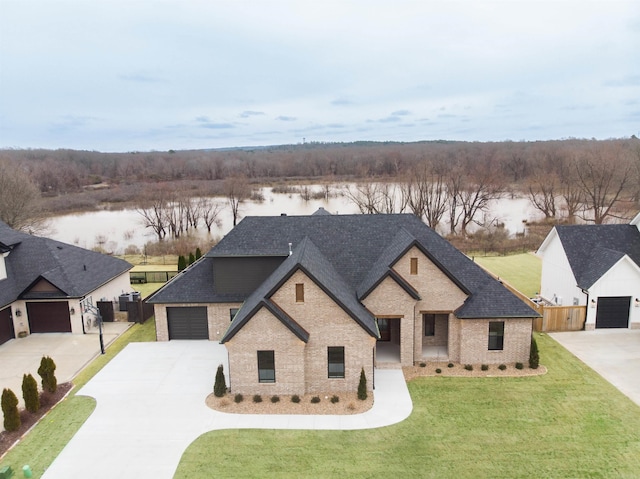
304,303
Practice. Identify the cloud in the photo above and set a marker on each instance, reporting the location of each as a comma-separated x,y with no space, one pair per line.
286,118
218,126
401,113
629,80
249,113
341,102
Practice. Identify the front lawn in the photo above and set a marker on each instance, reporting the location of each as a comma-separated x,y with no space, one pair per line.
567,423
522,271
47,439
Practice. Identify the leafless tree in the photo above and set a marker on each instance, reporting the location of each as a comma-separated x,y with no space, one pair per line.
602,179
210,210
427,193
365,196
154,212
19,198
236,189
542,194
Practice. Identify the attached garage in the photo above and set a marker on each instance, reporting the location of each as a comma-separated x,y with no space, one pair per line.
49,317
6,326
188,322
613,312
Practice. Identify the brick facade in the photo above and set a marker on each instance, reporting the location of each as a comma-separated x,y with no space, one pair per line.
218,318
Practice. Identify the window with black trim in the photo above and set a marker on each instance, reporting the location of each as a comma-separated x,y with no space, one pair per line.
232,312
496,335
429,324
335,356
300,293
266,367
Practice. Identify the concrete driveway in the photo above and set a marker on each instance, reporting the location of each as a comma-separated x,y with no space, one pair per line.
151,406
612,353
70,352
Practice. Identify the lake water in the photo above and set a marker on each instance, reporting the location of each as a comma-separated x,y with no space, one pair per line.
115,230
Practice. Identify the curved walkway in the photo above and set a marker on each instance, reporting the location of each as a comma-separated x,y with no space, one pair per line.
151,406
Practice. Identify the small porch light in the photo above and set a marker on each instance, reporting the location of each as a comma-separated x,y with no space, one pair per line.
72,311
18,313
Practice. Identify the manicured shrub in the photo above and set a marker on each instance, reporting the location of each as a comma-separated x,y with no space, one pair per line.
192,258
30,393
10,410
46,371
220,386
275,399
468,367
423,365
315,399
335,399
438,371
519,366
257,398
362,386
484,367
198,253
238,398
502,367
182,263
295,398
450,365
534,356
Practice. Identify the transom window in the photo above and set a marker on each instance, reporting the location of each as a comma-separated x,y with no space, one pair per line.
414,265
496,335
266,367
300,293
335,356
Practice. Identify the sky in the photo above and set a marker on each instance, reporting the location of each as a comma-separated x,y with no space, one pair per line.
109,75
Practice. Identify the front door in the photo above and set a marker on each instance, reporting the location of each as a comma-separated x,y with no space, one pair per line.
385,330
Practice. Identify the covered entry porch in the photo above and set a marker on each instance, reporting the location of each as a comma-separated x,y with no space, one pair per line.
434,336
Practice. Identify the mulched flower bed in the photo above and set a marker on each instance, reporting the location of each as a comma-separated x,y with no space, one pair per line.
47,401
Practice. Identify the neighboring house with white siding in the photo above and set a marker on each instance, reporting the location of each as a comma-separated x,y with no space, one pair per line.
43,282
597,266
304,303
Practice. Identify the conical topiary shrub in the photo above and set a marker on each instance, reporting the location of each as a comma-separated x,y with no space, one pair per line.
182,263
192,258
219,387
362,386
10,410
198,253
46,371
534,356
30,393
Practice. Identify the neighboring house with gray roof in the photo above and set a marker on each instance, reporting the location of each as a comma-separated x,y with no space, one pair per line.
304,303
43,282
597,266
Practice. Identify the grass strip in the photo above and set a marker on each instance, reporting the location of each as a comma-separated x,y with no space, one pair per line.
522,271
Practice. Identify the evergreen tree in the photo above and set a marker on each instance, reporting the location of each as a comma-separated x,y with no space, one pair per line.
192,258
219,387
182,263
30,393
198,253
534,356
10,410
47,373
362,386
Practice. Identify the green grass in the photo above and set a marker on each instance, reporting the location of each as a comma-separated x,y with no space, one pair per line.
522,271
47,439
145,289
567,423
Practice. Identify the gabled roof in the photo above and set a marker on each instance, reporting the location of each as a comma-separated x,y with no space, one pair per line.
74,271
307,258
593,249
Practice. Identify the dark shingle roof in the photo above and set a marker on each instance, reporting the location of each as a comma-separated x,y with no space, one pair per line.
593,249
74,271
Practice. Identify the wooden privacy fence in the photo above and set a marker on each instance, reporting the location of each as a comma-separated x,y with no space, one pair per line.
560,318
151,276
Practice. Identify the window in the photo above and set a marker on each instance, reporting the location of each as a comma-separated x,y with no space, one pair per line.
336,361
266,367
299,293
232,312
414,265
429,324
496,336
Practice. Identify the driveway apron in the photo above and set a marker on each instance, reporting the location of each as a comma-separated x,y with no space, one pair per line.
151,406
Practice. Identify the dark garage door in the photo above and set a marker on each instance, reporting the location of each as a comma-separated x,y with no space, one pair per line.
6,326
613,312
49,317
188,323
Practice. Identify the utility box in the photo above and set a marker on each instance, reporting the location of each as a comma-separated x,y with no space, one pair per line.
6,472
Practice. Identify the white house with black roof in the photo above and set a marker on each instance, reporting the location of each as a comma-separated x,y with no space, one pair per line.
43,281
304,303
597,266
